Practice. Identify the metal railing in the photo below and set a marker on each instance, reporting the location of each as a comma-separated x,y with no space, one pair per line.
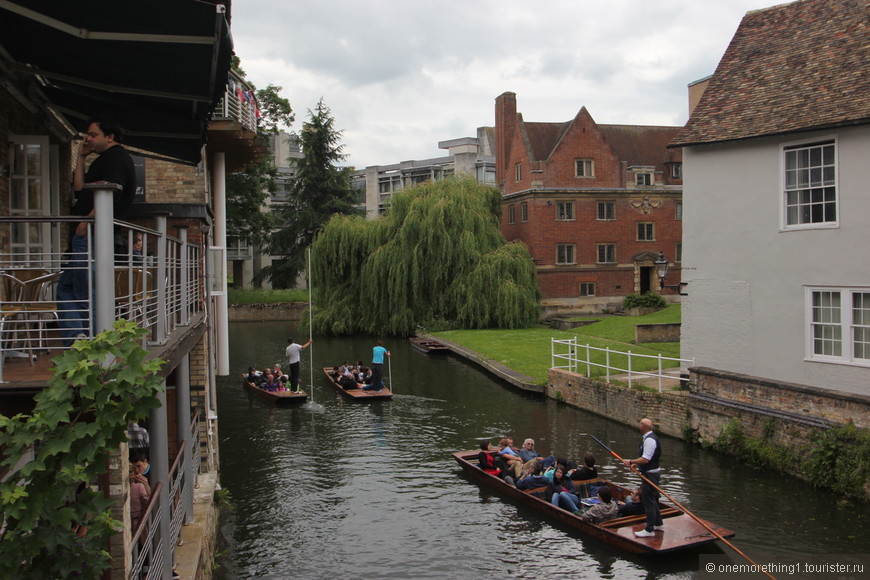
238,103
568,354
149,277
148,553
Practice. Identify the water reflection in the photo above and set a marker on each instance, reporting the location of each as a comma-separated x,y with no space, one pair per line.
338,488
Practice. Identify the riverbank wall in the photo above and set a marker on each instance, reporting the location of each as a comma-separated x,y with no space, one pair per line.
290,311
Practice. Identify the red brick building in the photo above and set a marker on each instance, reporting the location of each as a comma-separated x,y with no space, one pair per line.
594,203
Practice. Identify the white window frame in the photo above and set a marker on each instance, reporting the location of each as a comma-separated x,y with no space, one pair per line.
518,172
677,170
584,167
566,249
644,176
598,248
37,244
589,286
844,325
564,211
785,187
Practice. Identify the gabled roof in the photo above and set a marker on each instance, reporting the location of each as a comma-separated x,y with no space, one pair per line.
793,67
634,144
542,138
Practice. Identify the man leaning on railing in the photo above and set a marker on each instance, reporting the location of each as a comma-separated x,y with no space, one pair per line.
114,165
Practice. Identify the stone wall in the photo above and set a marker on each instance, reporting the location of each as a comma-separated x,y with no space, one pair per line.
798,400
668,410
666,332
263,312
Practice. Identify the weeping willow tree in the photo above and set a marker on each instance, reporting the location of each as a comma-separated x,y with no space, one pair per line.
437,258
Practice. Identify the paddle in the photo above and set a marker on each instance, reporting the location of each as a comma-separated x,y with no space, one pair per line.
680,506
310,331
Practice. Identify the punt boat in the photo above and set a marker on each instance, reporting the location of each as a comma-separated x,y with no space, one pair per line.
357,394
428,345
275,397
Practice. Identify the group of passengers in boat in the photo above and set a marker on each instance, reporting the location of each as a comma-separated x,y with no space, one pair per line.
352,376
269,379
564,483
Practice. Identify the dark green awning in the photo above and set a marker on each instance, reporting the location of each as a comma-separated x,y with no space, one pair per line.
158,66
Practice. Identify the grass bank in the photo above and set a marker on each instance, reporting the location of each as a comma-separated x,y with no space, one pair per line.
528,351
262,296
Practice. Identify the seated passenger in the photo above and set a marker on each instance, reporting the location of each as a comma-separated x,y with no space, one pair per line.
532,478
335,374
528,451
632,505
254,377
347,382
512,459
587,471
603,511
281,375
490,464
270,383
561,491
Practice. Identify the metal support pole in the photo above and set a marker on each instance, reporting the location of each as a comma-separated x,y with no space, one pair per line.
103,246
182,421
159,450
184,277
162,257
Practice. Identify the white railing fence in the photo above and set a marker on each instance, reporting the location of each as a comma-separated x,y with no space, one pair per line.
570,355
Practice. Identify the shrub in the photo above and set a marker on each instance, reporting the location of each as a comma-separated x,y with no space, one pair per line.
648,300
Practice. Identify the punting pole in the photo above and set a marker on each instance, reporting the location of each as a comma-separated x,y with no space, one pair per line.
390,373
679,505
310,330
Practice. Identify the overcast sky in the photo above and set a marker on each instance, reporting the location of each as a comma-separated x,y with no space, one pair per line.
401,75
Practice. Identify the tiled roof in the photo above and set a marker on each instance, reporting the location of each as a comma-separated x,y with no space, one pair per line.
634,144
543,137
792,67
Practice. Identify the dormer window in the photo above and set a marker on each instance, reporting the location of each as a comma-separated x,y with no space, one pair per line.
584,168
518,172
643,179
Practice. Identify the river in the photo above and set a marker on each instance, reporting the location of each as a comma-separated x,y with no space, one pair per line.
341,489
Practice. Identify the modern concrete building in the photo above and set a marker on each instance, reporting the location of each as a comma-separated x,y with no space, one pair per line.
467,155
595,204
776,170
246,260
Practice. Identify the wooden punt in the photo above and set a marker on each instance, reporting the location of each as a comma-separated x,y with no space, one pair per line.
357,394
681,530
275,397
428,345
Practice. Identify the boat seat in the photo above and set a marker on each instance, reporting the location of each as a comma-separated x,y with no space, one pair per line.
638,519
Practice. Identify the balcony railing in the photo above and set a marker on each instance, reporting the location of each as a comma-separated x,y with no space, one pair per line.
144,275
239,103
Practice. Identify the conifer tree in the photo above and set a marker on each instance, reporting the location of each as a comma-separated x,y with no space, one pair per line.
321,189
437,259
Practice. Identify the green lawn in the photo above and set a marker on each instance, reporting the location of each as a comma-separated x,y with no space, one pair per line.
528,350
261,296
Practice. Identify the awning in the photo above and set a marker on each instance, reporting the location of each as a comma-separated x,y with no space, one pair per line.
157,66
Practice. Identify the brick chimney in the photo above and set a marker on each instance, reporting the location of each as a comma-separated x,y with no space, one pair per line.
505,128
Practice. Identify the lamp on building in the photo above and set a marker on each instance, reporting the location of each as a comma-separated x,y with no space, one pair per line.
661,265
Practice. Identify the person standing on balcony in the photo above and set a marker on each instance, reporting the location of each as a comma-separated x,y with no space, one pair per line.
113,165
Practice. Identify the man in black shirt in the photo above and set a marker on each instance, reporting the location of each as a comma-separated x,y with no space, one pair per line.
114,165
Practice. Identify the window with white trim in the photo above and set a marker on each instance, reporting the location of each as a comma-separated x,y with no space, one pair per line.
565,254
587,288
839,325
810,181
564,210
518,172
606,253
584,168
643,179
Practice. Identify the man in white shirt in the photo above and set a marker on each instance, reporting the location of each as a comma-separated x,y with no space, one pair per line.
293,351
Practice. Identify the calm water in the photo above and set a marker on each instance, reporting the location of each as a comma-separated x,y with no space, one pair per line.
337,489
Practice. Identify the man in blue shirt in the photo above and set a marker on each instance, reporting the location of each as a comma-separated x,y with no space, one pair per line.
378,353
